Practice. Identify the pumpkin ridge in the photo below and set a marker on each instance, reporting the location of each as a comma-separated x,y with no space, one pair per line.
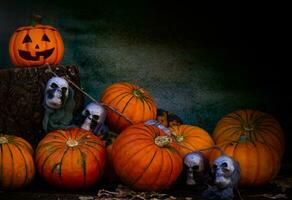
119,95
92,142
238,117
18,62
247,117
46,159
265,142
56,137
125,106
147,167
134,154
133,139
228,129
61,133
83,159
239,131
56,42
170,177
262,129
98,161
26,145
61,162
25,165
192,146
159,171
148,103
258,160
12,164
106,94
49,143
260,119
145,128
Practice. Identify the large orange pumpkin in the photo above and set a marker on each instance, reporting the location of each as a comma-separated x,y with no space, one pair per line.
36,45
258,126
144,158
133,103
71,158
16,162
191,138
259,162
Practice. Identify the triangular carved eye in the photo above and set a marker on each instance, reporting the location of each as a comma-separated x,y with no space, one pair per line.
45,38
27,39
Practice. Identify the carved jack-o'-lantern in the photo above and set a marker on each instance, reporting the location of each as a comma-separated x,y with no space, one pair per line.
36,45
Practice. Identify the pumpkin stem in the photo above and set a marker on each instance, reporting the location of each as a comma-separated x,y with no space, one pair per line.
138,92
178,138
248,127
71,142
162,141
36,19
3,140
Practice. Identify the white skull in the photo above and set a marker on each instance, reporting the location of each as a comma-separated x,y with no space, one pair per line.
94,115
195,163
57,91
223,168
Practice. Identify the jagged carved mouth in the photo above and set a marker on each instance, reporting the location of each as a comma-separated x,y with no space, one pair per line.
27,56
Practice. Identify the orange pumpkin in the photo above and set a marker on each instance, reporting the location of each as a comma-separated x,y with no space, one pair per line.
36,45
71,158
259,163
191,137
16,162
133,103
144,158
258,126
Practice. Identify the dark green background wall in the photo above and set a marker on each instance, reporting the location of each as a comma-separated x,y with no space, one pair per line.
200,60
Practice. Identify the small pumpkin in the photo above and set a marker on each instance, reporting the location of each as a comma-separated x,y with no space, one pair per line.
191,137
259,126
259,163
36,45
144,158
134,104
168,119
16,162
71,158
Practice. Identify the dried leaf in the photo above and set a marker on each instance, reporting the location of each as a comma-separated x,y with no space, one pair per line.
123,192
283,182
275,196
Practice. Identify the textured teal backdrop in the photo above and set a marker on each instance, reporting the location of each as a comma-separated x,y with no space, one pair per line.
191,58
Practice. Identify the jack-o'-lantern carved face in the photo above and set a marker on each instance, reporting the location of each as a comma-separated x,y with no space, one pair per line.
36,45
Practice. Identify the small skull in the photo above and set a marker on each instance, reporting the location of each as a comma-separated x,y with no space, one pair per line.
195,162
226,171
93,117
57,91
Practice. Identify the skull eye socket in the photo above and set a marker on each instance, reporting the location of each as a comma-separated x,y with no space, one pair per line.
45,38
27,39
86,112
64,89
196,167
95,117
54,85
215,167
224,165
